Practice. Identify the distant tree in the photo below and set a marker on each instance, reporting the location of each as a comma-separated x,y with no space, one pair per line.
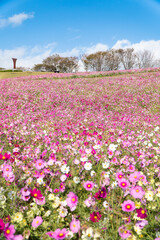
39,68
145,59
127,57
112,60
62,64
95,61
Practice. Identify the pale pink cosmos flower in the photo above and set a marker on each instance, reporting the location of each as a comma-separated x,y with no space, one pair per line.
124,232
7,169
72,201
37,221
18,237
75,226
40,201
128,206
134,177
40,164
137,192
88,185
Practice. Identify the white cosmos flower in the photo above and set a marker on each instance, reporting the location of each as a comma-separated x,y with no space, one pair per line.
105,204
114,184
88,151
40,181
88,166
97,146
76,180
92,173
65,169
112,147
83,159
156,129
105,164
106,174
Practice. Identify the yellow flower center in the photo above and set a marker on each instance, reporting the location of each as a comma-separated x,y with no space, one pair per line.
89,185
8,231
3,157
137,190
142,211
128,206
35,195
61,234
37,221
73,199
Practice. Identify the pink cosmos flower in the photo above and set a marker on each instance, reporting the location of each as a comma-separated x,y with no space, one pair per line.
40,164
137,192
56,190
88,185
37,221
123,183
7,169
62,187
128,206
72,201
119,176
75,226
58,234
131,168
9,231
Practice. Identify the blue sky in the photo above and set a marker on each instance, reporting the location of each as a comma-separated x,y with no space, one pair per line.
33,29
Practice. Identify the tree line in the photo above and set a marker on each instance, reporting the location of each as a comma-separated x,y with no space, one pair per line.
100,61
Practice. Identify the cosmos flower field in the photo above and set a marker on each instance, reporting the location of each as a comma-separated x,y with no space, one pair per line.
80,158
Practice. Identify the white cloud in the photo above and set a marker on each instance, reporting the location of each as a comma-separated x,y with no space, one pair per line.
121,44
26,56
95,48
151,45
15,20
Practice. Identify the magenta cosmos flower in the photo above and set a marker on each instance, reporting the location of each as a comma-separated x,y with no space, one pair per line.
101,193
72,201
37,221
58,234
123,183
75,226
36,193
88,185
2,225
128,206
95,217
141,213
9,231
137,192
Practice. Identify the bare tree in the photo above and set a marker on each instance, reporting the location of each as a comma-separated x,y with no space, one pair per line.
112,60
127,57
145,59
